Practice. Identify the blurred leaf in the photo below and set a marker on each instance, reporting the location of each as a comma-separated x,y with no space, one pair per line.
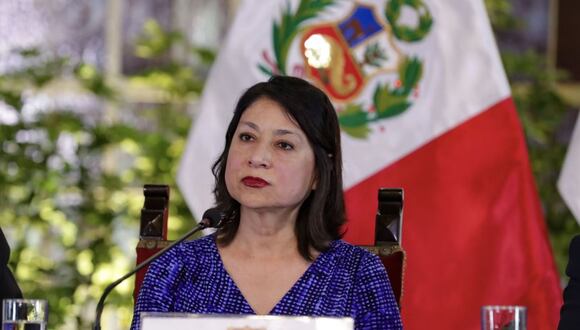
206,55
501,16
29,52
155,41
12,99
93,80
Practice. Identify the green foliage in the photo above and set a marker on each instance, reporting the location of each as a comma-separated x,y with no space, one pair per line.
38,73
71,186
93,80
176,78
501,16
156,42
541,111
40,70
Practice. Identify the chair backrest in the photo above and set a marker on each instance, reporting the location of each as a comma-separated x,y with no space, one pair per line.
388,234
388,230
153,227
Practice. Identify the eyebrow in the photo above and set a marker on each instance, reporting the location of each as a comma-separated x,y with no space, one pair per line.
276,132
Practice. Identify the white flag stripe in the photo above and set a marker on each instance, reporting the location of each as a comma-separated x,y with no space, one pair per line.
569,181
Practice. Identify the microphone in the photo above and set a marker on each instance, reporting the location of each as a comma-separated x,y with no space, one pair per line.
212,218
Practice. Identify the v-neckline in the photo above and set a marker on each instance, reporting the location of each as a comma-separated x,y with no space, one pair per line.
311,268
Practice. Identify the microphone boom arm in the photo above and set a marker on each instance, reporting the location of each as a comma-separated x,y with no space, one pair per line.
205,223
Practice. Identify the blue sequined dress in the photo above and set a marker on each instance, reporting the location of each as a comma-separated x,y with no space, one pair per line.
343,281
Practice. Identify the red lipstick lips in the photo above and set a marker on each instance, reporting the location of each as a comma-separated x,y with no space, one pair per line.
254,182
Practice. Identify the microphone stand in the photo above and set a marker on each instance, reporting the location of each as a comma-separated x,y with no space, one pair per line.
205,223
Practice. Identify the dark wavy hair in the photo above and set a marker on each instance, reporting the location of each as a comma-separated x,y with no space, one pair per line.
321,216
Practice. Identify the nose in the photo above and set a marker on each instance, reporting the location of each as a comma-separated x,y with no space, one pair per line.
260,156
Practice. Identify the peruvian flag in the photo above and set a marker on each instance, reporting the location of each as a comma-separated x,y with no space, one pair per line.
424,104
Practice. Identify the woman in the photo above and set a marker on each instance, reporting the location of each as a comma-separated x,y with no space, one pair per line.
279,181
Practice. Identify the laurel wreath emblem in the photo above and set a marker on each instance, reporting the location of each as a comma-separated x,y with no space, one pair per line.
388,99
404,33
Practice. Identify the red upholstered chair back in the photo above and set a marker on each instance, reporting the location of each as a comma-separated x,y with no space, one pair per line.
154,217
393,259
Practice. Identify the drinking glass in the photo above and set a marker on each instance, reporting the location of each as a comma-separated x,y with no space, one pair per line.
503,318
24,314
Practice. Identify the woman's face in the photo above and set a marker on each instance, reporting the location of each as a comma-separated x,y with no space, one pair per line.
270,162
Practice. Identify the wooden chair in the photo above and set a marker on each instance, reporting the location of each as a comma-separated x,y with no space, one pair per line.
154,217
388,234
153,227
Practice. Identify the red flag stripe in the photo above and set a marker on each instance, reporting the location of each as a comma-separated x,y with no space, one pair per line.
473,227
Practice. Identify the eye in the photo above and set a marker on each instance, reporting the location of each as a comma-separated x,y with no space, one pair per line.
285,145
245,137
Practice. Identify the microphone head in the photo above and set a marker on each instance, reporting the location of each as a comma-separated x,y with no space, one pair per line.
213,218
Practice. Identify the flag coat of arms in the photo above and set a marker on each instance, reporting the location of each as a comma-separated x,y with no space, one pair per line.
423,104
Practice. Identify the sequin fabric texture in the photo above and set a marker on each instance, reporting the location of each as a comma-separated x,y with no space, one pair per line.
343,281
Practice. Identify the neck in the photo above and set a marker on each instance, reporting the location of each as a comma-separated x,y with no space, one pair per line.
266,233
